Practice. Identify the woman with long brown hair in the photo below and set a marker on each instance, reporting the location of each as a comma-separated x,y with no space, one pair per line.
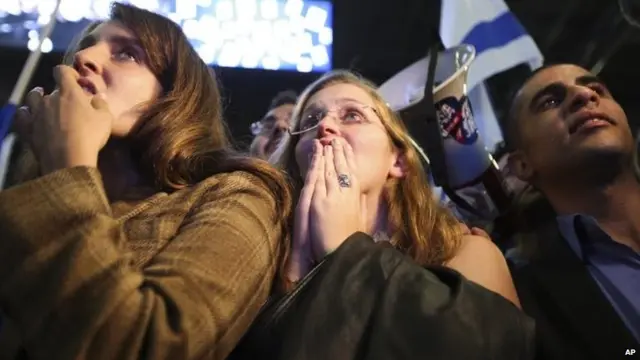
354,166
142,235
378,270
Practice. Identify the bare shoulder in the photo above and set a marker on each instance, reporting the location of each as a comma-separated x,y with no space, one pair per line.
478,249
482,262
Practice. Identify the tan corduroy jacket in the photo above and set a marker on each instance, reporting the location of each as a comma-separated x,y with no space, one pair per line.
178,276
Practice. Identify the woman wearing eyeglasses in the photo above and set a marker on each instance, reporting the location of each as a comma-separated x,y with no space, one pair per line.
366,226
351,159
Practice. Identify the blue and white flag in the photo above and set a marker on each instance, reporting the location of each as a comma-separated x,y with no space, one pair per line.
6,147
501,43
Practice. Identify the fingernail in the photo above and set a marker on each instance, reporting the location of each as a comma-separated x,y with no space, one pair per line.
39,89
334,141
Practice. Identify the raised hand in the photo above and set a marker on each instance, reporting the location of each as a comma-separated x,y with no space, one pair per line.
335,211
66,128
301,255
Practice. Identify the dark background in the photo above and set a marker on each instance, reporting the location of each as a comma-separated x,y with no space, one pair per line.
378,38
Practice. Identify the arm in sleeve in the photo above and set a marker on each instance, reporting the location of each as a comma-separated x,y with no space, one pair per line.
67,284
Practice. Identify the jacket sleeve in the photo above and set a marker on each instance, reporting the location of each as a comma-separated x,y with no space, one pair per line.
67,285
368,301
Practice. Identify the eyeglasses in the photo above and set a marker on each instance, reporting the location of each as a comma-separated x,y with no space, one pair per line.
256,128
263,126
348,114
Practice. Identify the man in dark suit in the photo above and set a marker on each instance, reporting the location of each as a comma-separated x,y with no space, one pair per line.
581,280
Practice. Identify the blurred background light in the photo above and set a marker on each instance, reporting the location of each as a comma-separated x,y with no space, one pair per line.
291,35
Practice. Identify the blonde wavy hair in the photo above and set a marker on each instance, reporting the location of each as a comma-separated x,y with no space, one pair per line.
422,228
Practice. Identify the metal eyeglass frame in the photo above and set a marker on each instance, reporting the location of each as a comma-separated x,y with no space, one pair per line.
300,132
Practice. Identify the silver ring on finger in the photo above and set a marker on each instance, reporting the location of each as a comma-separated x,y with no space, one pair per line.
344,181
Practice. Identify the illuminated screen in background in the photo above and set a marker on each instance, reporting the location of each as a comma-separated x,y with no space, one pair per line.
263,34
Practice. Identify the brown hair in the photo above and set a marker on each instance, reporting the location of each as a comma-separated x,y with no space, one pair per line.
182,138
177,131
424,229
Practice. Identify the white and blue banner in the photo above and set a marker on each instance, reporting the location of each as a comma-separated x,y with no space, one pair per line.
501,43
6,147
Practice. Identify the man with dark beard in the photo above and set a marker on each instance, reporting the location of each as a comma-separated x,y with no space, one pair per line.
580,272
269,130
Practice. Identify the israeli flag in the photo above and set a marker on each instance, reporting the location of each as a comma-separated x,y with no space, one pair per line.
501,43
6,147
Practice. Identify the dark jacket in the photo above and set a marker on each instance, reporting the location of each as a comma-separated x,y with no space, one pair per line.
574,319
368,301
